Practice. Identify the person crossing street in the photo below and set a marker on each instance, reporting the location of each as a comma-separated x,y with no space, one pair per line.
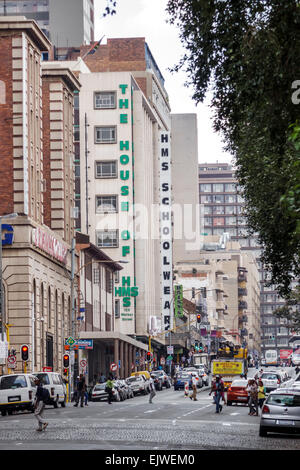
42,394
152,390
194,387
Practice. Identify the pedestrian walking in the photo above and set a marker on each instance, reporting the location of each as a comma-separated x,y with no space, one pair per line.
109,390
261,393
102,378
41,397
193,396
152,390
253,397
81,389
218,389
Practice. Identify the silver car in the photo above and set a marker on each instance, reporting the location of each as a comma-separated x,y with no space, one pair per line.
281,412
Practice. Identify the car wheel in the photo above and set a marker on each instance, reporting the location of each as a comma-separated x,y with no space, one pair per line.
3,412
229,403
262,432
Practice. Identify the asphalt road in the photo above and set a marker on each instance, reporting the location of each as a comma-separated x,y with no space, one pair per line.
171,422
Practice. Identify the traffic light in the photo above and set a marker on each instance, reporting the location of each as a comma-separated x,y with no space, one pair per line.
149,356
24,352
66,361
198,318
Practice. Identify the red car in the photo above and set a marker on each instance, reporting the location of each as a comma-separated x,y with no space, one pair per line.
237,393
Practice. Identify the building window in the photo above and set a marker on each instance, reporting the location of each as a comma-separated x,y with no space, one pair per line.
107,238
205,188
105,100
105,135
230,187
106,204
117,308
96,276
218,188
106,169
108,281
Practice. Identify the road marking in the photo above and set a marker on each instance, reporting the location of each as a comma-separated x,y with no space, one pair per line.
150,411
226,424
234,414
174,422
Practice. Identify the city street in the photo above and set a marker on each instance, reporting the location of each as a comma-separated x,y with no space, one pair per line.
171,422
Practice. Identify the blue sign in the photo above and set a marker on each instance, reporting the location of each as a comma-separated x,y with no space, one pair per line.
8,234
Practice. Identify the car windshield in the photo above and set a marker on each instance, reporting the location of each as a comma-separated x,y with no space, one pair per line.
12,382
99,387
284,400
44,378
269,376
183,376
239,383
134,379
157,372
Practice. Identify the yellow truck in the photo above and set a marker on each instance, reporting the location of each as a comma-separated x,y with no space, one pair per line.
228,369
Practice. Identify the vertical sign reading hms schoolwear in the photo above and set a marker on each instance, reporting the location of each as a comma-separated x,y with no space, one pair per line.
166,232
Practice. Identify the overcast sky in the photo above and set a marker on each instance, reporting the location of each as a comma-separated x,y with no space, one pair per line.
147,18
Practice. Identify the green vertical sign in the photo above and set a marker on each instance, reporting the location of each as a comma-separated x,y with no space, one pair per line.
178,300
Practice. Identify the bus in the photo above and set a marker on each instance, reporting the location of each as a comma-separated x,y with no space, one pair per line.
271,357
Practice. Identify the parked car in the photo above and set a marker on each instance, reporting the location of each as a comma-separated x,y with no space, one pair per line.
125,390
99,393
237,393
54,382
281,412
165,379
139,384
17,393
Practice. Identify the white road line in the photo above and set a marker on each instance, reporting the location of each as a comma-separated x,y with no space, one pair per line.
174,422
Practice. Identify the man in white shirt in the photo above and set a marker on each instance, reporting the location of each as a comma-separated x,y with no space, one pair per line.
152,390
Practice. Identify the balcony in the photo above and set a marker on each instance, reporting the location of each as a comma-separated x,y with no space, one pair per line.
242,305
242,292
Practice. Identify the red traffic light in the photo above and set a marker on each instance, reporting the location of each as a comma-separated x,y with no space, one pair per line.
66,361
24,352
198,318
149,356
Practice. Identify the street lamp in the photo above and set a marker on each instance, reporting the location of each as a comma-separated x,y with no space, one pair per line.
7,216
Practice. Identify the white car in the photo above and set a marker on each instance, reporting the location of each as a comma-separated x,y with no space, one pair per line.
99,393
17,393
296,382
139,384
54,382
273,380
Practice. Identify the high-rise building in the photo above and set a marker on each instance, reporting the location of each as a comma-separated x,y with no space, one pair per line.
223,212
65,22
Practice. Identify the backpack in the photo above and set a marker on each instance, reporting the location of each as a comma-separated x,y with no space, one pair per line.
46,395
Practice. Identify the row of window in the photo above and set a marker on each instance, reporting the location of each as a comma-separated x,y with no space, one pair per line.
229,210
231,220
221,198
218,188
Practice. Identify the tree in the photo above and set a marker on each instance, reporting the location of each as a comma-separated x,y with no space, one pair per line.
291,310
110,8
247,53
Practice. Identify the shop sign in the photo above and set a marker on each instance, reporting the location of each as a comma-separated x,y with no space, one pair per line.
166,231
49,244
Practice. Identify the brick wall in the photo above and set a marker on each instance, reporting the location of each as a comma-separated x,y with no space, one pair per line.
6,128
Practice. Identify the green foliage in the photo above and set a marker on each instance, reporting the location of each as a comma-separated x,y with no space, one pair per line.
246,52
291,310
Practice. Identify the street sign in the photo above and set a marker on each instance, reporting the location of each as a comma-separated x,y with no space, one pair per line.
170,349
162,361
113,367
83,363
70,341
11,362
169,358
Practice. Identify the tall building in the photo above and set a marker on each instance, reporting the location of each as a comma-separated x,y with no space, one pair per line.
223,212
65,22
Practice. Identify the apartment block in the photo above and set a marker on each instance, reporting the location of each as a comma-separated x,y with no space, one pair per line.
223,212
63,22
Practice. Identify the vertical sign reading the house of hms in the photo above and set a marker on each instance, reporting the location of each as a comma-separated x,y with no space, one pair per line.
166,231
